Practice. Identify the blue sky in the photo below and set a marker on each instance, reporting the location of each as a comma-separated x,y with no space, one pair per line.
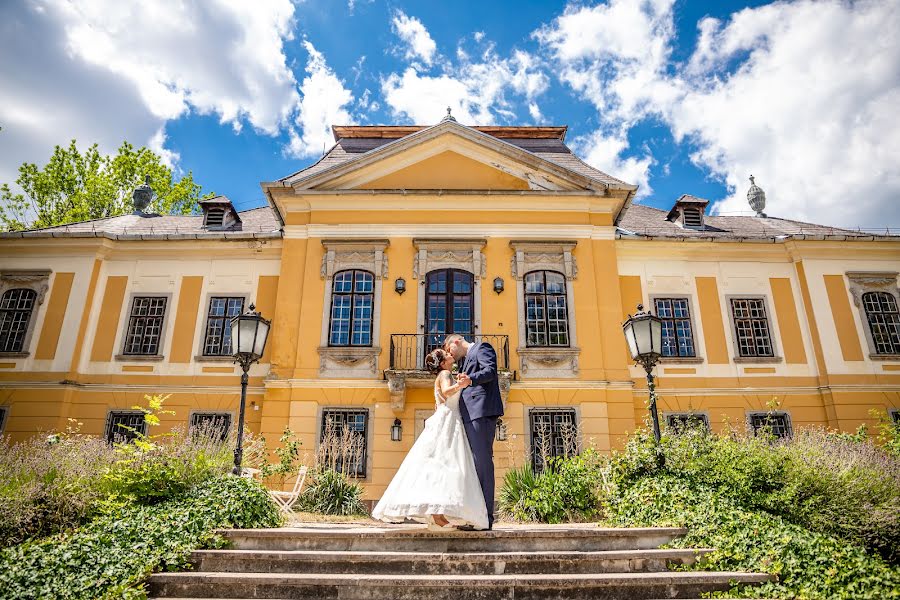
676,96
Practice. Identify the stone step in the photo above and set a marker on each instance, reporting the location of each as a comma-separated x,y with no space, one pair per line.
436,563
603,586
419,539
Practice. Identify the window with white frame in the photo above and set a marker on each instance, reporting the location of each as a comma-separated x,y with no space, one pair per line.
145,325
775,424
122,426
352,302
883,317
16,307
681,422
751,327
343,440
554,433
546,309
677,332
212,424
217,340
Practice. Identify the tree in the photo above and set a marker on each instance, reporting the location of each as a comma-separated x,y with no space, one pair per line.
75,186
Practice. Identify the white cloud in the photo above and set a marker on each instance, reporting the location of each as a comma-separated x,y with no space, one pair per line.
605,152
803,95
323,98
110,70
419,45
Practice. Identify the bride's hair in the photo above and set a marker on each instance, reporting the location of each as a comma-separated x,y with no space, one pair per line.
434,359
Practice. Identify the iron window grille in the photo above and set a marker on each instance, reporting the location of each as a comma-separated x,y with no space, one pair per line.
343,443
751,326
217,341
449,306
124,426
554,433
776,424
213,424
677,334
4,412
884,321
145,325
352,301
15,313
681,422
546,309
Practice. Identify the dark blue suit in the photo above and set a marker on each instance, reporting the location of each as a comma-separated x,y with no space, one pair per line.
480,405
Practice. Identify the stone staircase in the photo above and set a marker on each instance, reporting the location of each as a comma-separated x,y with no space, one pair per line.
410,562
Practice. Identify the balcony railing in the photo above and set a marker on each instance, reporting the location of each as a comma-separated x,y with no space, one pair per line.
408,350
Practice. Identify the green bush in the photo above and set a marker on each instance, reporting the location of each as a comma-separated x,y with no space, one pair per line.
566,490
110,556
332,493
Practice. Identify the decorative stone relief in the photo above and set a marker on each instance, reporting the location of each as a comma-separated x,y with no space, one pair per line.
348,361
37,280
551,255
504,378
398,381
872,281
449,254
367,255
549,362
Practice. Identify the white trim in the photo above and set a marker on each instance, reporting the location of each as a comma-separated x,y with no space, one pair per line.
462,231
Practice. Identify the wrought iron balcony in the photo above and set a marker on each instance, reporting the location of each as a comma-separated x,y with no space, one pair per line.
408,350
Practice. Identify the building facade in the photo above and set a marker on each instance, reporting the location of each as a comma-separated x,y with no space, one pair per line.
397,236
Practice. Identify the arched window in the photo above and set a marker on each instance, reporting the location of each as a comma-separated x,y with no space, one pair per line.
352,298
546,309
16,306
884,321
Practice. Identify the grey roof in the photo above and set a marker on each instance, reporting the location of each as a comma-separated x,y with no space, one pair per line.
553,150
641,221
255,223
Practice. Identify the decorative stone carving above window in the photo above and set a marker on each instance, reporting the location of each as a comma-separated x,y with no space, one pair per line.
872,281
879,282
37,280
432,254
367,255
551,255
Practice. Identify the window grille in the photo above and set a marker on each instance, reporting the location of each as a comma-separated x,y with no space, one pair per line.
217,341
15,313
215,217
343,440
546,310
680,422
677,334
751,326
769,423
4,412
213,424
124,426
693,217
145,325
352,303
554,432
884,321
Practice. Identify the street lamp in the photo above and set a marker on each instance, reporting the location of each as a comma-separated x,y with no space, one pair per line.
249,332
643,332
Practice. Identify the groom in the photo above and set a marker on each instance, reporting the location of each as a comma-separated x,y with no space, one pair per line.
480,406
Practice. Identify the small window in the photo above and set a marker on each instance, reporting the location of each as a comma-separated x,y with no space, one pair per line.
776,424
4,413
693,217
215,217
145,325
751,327
895,415
343,441
122,426
212,424
352,301
16,307
680,422
884,321
217,341
677,335
546,309
554,432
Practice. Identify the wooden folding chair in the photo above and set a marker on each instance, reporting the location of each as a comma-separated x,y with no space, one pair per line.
286,500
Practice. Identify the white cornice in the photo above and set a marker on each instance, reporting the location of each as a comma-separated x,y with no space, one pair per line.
413,230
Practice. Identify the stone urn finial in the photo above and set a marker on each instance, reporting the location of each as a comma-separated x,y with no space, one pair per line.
142,196
756,197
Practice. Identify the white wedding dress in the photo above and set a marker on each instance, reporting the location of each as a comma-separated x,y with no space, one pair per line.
437,476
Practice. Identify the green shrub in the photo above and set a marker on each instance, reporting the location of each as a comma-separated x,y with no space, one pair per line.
110,556
566,490
332,493
808,565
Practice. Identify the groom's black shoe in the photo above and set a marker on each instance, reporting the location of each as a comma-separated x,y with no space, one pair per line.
466,528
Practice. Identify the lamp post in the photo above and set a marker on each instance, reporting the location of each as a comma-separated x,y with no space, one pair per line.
249,333
643,332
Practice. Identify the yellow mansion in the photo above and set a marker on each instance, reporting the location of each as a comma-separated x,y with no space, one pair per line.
399,235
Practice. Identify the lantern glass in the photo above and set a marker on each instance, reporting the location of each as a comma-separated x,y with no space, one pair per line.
629,338
396,431
400,285
498,284
262,334
643,333
245,335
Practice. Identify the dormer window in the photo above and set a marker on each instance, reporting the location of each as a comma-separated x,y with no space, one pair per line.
692,217
219,213
688,212
214,217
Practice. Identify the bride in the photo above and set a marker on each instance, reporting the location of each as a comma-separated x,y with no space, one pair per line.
437,483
